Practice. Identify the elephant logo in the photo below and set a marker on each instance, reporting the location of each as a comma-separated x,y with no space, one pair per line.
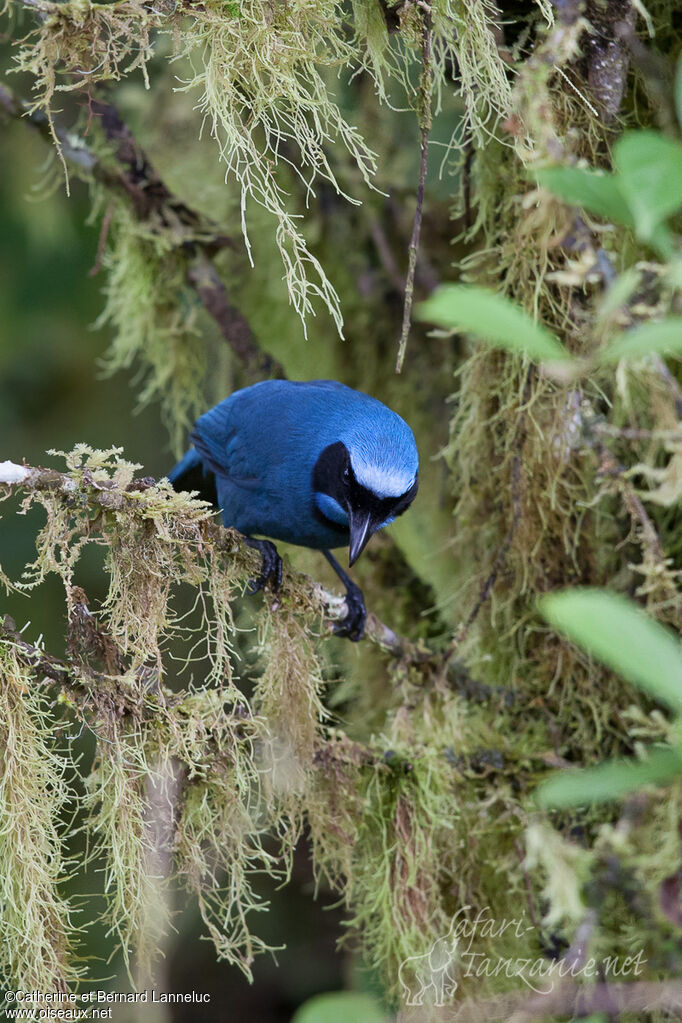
429,978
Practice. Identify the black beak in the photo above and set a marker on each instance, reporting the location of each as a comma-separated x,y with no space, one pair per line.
362,526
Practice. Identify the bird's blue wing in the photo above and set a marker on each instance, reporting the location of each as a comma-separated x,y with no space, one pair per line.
210,436
223,440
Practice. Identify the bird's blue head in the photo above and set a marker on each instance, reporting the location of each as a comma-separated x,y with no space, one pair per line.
365,480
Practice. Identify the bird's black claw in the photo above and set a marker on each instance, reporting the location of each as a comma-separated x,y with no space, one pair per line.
271,571
352,627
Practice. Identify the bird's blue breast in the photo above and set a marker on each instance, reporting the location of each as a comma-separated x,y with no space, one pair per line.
262,444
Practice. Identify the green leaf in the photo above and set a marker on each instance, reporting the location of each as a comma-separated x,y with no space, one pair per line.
597,193
678,91
492,318
663,336
608,781
649,169
339,1007
662,242
620,634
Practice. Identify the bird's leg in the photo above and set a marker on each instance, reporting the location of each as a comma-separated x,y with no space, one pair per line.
271,571
353,625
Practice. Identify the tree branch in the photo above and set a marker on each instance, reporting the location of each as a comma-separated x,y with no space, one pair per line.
304,596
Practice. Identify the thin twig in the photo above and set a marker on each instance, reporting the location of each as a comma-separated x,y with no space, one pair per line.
425,125
102,242
611,467
233,325
466,184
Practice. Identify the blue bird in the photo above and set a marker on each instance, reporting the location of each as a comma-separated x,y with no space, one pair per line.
315,464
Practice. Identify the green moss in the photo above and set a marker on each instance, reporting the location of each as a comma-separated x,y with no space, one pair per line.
266,93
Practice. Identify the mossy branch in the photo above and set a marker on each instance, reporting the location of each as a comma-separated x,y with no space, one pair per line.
143,499
189,784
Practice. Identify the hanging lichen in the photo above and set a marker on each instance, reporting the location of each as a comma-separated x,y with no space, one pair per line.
36,923
153,318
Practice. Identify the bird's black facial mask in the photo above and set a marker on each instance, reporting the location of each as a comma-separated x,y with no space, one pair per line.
333,475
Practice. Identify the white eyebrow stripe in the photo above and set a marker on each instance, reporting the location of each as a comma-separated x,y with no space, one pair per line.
383,482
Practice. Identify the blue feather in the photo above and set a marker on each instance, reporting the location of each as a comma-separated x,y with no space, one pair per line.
331,509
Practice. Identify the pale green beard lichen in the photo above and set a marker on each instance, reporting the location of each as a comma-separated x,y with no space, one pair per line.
265,81
288,697
36,922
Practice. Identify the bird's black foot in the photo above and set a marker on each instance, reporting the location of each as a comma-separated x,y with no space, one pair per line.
272,565
353,625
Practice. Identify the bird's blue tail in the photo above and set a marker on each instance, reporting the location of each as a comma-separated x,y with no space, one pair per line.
190,474
189,463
